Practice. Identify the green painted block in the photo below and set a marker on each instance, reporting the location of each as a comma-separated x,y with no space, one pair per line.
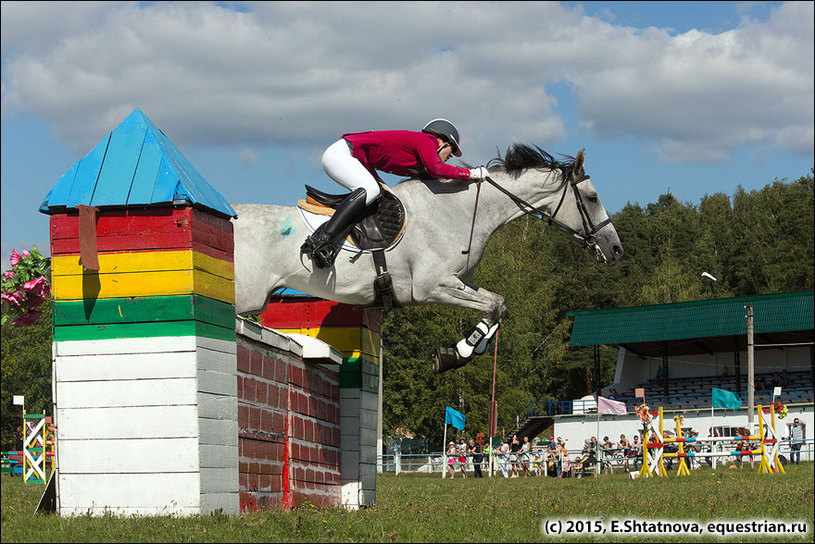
143,330
144,309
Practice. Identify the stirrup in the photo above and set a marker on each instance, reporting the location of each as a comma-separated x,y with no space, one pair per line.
320,248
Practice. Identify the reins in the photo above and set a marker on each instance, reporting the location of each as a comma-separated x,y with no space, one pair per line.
588,226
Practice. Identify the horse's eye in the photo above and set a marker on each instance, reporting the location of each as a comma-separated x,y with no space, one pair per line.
592,199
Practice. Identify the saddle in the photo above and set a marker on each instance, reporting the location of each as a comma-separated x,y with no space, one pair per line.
380,227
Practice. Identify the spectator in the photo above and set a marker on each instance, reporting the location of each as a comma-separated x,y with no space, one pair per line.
796,440
636,451
462,456
565,461
514,448
553,456
451,459
537,462
478,457
625,446
524,456
607,449
503,457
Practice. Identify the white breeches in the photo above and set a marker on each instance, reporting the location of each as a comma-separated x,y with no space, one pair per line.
346,170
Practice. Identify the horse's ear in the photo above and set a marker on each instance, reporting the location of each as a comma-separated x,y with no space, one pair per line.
578,161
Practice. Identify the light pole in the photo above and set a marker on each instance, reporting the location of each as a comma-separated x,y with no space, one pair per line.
751,385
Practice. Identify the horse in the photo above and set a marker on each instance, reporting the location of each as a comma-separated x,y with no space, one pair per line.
447,226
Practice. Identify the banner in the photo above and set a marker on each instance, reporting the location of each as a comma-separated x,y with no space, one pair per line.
608,406
725,399
455,418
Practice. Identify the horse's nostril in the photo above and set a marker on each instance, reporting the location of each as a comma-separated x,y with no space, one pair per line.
618,251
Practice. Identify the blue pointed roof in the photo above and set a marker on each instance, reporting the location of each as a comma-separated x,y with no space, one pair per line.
135,165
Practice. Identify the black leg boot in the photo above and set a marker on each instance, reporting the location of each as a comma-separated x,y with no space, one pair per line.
321,245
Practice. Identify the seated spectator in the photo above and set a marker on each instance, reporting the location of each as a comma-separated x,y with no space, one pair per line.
553,458
625,446
636,450
607,449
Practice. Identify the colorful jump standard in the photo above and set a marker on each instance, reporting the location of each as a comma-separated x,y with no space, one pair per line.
144,331
654,455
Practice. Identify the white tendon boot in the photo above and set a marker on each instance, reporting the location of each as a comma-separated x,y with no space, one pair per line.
475,343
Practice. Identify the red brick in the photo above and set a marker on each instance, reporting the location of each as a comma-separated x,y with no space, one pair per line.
243,355
243,416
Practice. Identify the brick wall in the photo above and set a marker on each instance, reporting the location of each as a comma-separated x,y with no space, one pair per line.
289,426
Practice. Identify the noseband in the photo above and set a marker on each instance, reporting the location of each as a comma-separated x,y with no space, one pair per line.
586,238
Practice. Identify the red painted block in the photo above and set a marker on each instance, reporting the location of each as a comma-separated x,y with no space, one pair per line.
290,312
151,229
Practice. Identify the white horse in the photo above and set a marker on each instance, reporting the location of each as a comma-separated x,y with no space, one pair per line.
440,247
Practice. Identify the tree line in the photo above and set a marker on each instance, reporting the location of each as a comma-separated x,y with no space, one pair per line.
754,242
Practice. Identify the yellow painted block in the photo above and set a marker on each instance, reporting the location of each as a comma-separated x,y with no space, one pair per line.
146,261
351,341
143,284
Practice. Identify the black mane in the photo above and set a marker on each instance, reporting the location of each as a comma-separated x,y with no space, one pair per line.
520,157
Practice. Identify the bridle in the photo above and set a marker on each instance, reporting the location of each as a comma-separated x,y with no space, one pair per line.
587,238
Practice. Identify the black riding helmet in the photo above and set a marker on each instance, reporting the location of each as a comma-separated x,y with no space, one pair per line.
447,131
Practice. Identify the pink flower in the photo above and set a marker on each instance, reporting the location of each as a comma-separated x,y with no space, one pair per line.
36,286
28,318
35,301
26,254
15,257
15,299
8,274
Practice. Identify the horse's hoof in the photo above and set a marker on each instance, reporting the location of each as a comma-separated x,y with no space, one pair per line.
445,359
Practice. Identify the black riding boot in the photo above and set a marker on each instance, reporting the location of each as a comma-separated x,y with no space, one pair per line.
321,246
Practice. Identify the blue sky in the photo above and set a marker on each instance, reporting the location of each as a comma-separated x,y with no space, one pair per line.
694,98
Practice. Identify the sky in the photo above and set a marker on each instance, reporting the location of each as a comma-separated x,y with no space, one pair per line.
687,98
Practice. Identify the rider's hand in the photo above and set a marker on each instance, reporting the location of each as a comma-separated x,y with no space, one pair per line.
479,173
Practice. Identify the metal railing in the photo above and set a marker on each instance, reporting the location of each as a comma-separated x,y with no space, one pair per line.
570,463
541,408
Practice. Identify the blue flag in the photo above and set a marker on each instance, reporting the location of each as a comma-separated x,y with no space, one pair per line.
725,399
455,418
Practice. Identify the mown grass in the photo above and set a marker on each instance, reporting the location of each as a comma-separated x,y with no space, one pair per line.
425,508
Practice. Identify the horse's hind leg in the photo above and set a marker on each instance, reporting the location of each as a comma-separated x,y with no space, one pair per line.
491,305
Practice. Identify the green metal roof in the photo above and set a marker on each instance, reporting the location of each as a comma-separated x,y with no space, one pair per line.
776,313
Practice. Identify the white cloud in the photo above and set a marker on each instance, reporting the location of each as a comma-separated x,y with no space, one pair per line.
303,73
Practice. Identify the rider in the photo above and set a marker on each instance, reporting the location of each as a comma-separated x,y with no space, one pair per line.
353,160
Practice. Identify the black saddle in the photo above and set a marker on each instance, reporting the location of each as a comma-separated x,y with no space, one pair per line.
379,227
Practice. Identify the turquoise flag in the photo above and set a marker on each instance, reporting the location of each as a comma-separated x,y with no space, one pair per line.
725,399
455,418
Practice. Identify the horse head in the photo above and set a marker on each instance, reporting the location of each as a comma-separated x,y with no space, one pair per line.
562,193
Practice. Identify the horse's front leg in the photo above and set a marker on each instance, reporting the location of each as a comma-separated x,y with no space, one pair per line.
492,306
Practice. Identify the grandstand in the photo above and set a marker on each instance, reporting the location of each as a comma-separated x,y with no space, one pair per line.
677,353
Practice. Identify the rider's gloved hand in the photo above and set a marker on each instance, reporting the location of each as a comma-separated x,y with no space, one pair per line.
479,173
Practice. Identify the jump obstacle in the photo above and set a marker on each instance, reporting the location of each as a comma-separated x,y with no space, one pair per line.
164,401
654,441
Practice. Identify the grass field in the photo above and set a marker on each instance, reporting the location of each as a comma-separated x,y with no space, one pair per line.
425,508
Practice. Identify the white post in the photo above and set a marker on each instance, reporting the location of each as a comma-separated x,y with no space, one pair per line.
750,370
444,453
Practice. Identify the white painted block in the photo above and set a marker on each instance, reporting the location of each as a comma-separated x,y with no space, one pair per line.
218,431
217,456
128,422
350,495
349,465
217,361
229,503
217,406
162,455
368,419
158,344
349,425
219,480
122,494
214,344
367,475
349,393
369,401
367,496
160,392
219,383
132,366
367,454
350,406
368,438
